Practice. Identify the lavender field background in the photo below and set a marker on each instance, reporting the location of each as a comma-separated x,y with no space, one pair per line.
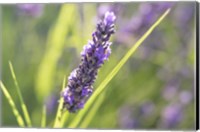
153,90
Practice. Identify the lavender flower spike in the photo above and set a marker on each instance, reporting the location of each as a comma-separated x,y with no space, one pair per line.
94,54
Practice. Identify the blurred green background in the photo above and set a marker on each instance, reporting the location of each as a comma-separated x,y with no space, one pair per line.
44,44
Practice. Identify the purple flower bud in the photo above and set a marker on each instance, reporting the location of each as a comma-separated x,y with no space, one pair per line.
115,7
109,18
94,54
86,91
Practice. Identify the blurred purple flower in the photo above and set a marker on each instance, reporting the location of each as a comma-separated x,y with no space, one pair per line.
34,10
184,15
169,92
185,97
172,115
184,18
51,103
146,16
147,108
126,119
94,54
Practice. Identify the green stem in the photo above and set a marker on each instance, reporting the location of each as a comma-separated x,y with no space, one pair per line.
23,106
43,120
89,116
57,123
19,119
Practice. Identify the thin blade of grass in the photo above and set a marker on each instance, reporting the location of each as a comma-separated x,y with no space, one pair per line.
23,106
43,120
18,117
116,69
64,118
92,111
58,117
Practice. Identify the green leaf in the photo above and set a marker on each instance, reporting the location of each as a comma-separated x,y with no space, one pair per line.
57,123
64,118
23,106
55,45
92,111
115,70
18,117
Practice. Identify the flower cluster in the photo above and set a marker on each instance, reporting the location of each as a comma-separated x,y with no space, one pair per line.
94,54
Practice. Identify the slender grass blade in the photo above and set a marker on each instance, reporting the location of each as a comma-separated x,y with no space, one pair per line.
64,118
18,117
43,120
23,106
92,111
57,123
